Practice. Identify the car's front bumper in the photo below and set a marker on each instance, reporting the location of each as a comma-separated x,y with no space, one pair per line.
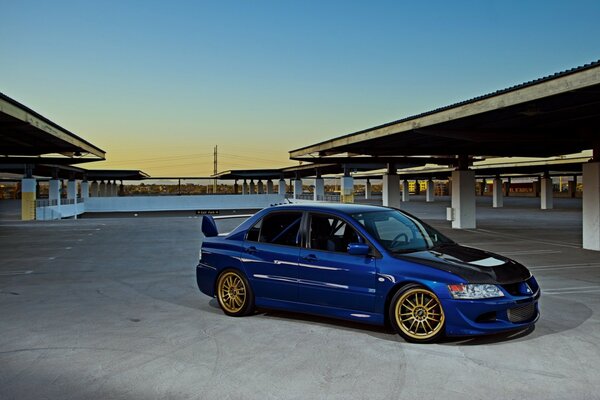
478,317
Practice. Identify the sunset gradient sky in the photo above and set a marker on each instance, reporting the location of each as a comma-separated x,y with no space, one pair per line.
158,84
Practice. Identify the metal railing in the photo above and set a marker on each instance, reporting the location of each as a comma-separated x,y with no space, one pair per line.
46,202
332,198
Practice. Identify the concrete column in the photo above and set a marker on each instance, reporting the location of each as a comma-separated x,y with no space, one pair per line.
430,195
252,187
391,190
546,196
85,189
463,199
261,187
405,191
319,193
54,190
115,189
497,194
572,186
297,188
245,187
235,187
28,197
536,187
507,187
269,187
102,189
72,189
347,189
368,190
94,189
482,187
282,188
591,206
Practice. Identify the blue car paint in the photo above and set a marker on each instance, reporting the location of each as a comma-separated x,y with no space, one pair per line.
345,286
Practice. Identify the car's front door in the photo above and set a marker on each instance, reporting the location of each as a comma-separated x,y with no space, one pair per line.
270,255
328,275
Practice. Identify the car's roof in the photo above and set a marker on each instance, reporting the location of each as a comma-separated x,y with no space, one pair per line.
339,207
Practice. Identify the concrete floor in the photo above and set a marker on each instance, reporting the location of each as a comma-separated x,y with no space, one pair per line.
108,308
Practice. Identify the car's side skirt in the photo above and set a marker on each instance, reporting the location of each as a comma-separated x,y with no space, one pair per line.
333,312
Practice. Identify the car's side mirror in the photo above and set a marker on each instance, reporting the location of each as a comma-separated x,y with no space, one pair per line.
358,249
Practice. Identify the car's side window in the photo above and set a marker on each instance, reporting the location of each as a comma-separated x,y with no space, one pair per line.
254,232
277,228
331,233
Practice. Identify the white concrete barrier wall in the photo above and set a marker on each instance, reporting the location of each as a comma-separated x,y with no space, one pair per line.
58,212
181,203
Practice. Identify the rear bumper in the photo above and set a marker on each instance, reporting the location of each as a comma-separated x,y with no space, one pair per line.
479,317
205,278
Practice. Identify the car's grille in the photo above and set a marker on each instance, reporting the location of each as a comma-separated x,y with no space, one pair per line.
522,313
524,288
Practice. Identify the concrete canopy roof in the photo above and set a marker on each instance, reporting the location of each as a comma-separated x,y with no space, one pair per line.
559,167
296,171
115,174
558,114
61,171
24,132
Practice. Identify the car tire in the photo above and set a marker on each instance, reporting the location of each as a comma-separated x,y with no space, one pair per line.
234,293
416,313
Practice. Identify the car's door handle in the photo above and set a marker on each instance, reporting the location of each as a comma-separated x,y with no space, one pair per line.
250,249
310,257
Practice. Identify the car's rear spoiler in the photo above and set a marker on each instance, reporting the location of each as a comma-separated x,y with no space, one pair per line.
209,227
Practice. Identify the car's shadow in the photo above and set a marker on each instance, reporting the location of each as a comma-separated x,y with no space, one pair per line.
562,314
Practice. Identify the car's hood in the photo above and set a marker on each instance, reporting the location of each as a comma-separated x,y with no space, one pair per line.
474,265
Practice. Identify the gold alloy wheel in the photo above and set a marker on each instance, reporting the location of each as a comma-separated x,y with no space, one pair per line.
232,292
419,314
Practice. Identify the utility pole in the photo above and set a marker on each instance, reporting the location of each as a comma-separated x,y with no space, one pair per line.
215,170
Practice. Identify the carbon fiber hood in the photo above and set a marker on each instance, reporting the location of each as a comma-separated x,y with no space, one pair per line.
474,265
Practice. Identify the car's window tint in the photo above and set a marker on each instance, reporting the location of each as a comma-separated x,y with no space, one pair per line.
279,228
331,233
400,233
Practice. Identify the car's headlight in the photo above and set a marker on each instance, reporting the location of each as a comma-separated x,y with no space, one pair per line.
474,291
200,255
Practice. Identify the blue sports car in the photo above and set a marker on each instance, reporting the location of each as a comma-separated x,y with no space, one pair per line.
364,263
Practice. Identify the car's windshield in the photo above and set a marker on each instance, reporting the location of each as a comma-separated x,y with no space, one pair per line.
400,233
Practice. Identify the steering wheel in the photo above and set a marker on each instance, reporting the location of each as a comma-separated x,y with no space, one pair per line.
396,241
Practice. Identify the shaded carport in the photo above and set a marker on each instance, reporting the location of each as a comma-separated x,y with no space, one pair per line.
31,142
551,116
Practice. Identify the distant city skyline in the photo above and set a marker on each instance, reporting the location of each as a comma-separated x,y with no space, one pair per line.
158,85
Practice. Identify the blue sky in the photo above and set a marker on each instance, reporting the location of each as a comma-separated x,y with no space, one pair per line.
158,84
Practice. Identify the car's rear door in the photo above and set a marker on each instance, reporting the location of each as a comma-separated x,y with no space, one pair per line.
327,274
270,255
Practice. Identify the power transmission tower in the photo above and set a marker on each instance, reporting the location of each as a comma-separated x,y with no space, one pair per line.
215,170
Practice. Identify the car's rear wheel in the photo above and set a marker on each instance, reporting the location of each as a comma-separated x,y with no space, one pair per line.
416,314
234,293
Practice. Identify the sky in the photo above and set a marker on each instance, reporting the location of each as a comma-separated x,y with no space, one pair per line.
157,84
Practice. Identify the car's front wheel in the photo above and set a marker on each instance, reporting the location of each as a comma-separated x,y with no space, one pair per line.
416,314
234,293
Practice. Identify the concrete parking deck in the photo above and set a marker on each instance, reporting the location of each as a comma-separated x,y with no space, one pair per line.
108,308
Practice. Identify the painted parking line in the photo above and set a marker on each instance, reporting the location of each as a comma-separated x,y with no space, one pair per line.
524,238
528,252
10,273
572,290
563,266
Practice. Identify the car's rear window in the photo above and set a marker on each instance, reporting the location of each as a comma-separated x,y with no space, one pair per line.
277,228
